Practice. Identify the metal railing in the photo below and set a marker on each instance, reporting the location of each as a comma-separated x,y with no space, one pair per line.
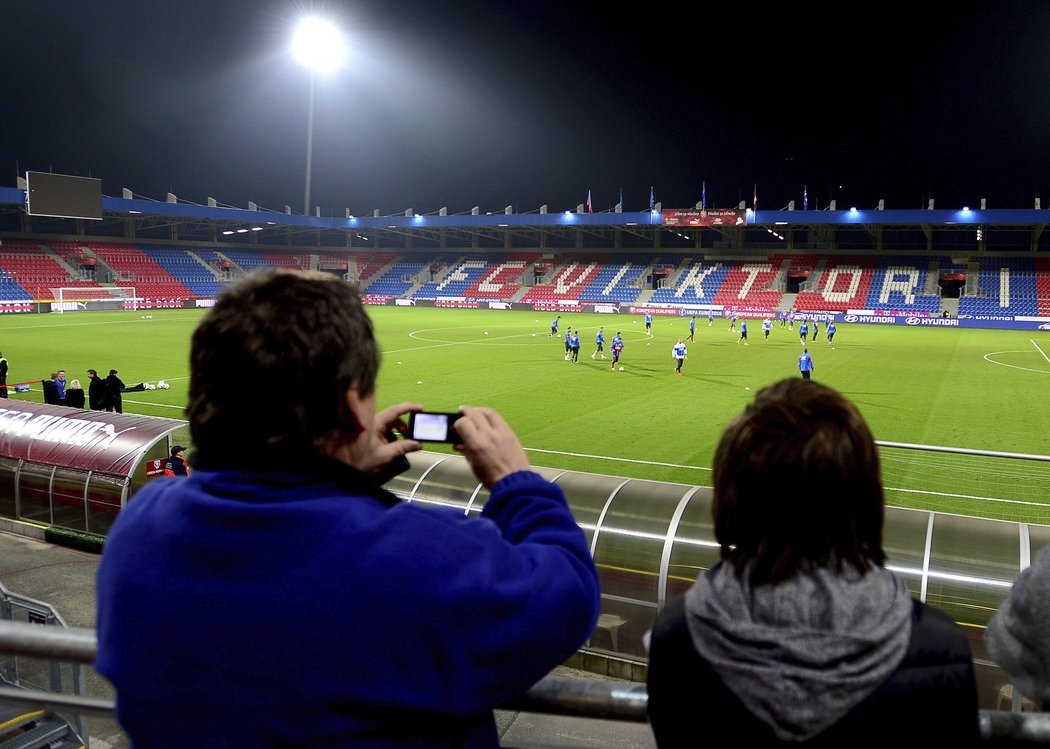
552,695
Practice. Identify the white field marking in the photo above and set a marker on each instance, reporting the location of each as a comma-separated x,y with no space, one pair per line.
969,496
620,460
87,324
415,334
152,404
987,358
1039,349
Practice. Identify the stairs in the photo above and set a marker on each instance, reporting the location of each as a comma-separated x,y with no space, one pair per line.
26,728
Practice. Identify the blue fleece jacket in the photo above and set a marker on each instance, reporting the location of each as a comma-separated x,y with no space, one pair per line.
285,609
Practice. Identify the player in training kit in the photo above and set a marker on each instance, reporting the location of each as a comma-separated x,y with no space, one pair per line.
831,333
732,320
554,326
743,332
679,353
805,364
574,343
692,326
767,325
648,322
803,331
710,318
599,343
617,349
816,328
568,343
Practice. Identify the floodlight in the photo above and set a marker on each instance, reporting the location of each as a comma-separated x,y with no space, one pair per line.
318,44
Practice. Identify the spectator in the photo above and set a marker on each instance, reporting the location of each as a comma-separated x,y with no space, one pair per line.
74,394
96,391
3,376
114,387
1017,634
800,633
50,389
327,612
175,465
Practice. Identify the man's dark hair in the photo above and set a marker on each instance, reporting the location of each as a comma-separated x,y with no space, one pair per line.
797,483
270,366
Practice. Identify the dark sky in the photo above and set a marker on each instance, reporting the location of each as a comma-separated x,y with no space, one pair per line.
460,103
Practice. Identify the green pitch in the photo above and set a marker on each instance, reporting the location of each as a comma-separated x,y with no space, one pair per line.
977,389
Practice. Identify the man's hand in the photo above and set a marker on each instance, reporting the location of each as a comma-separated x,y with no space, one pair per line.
385,448
489,445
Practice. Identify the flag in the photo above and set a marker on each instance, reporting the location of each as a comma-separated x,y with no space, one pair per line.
590,205
805,200
703,197
621,198
652,199
754,200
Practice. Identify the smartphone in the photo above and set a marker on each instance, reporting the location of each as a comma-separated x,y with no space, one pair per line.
432,426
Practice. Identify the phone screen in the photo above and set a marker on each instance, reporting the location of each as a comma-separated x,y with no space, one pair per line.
429,426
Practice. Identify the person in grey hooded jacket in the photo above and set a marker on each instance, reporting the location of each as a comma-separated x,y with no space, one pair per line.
799,634
1017,635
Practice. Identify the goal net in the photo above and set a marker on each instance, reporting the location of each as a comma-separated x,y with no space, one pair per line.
94,298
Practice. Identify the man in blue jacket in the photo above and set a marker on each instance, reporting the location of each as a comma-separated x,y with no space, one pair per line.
279,596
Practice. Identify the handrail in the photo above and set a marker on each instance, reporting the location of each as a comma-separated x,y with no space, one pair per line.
552,695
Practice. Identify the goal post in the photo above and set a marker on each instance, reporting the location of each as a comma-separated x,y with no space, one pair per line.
94,298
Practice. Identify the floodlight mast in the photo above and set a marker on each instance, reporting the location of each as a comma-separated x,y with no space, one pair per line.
319,46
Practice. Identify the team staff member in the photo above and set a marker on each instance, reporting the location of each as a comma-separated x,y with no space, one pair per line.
399,624
805,364
96,391
679,354
3,376
175,465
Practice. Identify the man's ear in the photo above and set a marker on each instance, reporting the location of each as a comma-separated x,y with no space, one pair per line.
357,410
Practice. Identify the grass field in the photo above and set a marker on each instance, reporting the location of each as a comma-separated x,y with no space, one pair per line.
961,388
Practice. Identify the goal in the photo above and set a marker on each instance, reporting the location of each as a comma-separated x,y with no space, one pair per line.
94,298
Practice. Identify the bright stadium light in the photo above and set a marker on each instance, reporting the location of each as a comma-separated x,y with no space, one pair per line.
319,46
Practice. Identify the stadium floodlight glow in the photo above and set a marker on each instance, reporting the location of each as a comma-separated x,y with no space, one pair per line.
318,45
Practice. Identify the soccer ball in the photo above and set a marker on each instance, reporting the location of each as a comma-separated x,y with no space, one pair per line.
148,386
162,385
621,369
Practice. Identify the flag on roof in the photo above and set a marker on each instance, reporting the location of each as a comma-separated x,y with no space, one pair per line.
805,199
703,196
590,205
652,199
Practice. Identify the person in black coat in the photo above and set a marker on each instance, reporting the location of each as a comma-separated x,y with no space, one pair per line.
114,388
74,394
96,391
50,389
799,634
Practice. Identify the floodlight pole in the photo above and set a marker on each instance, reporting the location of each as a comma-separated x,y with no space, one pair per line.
309,143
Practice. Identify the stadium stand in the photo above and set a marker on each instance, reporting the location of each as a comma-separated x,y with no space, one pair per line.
697,282
569,276
837,284
398,278
1005,286
620,279
903,284
134,268
194,269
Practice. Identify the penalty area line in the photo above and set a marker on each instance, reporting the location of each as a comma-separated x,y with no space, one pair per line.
1032,341
619,460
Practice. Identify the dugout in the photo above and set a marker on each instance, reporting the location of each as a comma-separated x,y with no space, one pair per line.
76,469
650,539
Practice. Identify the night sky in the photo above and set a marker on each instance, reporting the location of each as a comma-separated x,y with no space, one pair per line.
459,103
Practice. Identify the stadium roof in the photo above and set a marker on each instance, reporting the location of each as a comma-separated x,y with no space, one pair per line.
962,230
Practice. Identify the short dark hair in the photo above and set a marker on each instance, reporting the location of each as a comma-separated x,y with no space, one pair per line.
270,366
797,482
